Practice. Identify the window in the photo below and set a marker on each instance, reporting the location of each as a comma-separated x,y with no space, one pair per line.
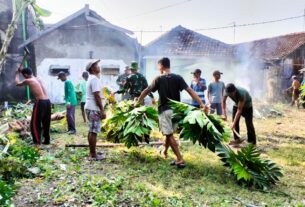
55,69
110,70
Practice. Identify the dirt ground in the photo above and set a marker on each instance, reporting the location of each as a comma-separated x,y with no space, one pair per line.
141,177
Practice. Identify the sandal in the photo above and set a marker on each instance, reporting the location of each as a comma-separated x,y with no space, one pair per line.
172,163
180,165
96,158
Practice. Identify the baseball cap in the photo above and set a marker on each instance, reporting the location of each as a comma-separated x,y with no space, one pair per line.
134,66
61,73
196,71
217,72
89,65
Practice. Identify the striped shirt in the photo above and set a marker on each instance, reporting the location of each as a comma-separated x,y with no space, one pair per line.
199,91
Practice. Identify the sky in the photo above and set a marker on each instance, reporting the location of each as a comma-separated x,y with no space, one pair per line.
146,15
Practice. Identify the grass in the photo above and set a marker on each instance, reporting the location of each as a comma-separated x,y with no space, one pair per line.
140,177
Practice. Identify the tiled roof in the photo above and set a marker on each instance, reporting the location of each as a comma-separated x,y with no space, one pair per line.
272,48
184,42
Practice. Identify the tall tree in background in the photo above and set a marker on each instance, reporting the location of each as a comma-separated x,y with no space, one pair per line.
19,6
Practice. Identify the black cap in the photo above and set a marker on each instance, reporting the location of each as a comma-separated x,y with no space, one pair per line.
196,71
217,72
230,87
61,73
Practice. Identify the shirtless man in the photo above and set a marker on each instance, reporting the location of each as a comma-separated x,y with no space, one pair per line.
295,91
41,116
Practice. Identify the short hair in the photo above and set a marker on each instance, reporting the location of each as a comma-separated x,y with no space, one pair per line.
27,71
230,88
85,74
165,62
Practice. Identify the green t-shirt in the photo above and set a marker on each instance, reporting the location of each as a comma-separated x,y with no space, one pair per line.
82,89
241,95
70,95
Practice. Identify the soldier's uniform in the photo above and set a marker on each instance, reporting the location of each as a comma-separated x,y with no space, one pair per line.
135,84
121,82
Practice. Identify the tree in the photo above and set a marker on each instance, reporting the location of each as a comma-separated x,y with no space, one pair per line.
19,7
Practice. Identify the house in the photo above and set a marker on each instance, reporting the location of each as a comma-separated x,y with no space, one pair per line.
187,50
282,56
70,44
8,89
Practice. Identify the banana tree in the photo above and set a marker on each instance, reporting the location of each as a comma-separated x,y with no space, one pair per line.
19,7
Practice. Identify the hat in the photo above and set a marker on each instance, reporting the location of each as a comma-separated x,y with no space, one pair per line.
89,65
230,88
61,73
294,77
196,71
217,72
134,66
127,68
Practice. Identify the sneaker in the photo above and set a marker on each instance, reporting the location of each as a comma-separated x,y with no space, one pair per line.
72,132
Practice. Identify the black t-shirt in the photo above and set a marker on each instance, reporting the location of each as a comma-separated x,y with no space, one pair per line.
169,87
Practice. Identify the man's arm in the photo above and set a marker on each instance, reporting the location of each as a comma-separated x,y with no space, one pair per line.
98,102
194,96
224,107
67,93
208,94
240,107
143,95
17,80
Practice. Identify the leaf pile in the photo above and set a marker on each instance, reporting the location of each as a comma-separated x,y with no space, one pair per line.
209,131
130,125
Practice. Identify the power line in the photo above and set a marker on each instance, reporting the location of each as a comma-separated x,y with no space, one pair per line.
202,29
158,9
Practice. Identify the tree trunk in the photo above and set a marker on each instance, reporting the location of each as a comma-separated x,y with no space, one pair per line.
18,7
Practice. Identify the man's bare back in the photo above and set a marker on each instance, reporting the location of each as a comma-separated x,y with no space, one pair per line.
36,86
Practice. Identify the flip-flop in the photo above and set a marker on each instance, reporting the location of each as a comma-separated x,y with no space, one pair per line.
181,165
97,158
172,163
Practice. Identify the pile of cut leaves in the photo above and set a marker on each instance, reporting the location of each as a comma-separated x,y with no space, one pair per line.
129,125
209,131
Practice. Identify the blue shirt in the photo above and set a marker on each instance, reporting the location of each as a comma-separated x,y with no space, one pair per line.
199,90
215,90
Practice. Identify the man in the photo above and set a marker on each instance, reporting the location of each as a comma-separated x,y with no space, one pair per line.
243,107
169,86
71,102
122,80
215,93
41,116
295,91
83,88
135,84
94,108
199,86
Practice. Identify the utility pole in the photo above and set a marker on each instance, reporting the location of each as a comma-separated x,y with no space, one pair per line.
234,31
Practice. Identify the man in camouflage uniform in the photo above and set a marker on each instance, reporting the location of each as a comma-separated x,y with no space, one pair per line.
121,82
135,83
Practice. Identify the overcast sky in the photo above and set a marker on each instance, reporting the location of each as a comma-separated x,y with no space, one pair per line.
144,15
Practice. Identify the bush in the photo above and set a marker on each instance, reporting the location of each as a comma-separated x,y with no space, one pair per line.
6,193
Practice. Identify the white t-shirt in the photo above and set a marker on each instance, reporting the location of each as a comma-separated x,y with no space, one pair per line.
93,85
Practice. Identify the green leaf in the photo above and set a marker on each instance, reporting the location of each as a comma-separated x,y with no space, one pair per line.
40,11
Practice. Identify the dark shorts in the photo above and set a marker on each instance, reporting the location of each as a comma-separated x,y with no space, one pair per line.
82,106
216,107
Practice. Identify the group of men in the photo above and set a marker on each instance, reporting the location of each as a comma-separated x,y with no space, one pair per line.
134,86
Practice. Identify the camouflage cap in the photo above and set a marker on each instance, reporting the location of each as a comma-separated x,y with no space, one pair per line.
134,65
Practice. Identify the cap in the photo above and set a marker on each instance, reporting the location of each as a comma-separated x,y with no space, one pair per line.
294,77
134,66
127,68
61,73
89,65
196,71
230,87
217,72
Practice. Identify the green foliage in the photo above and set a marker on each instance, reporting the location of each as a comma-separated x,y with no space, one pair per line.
209,131
12,168
24,152
130,125
248,168
6,193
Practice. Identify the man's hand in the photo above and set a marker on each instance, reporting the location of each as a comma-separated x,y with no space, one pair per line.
103,115
233,126
223,117
153,101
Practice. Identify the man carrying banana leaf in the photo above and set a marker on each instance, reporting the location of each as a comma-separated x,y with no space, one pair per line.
169,86
243,107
